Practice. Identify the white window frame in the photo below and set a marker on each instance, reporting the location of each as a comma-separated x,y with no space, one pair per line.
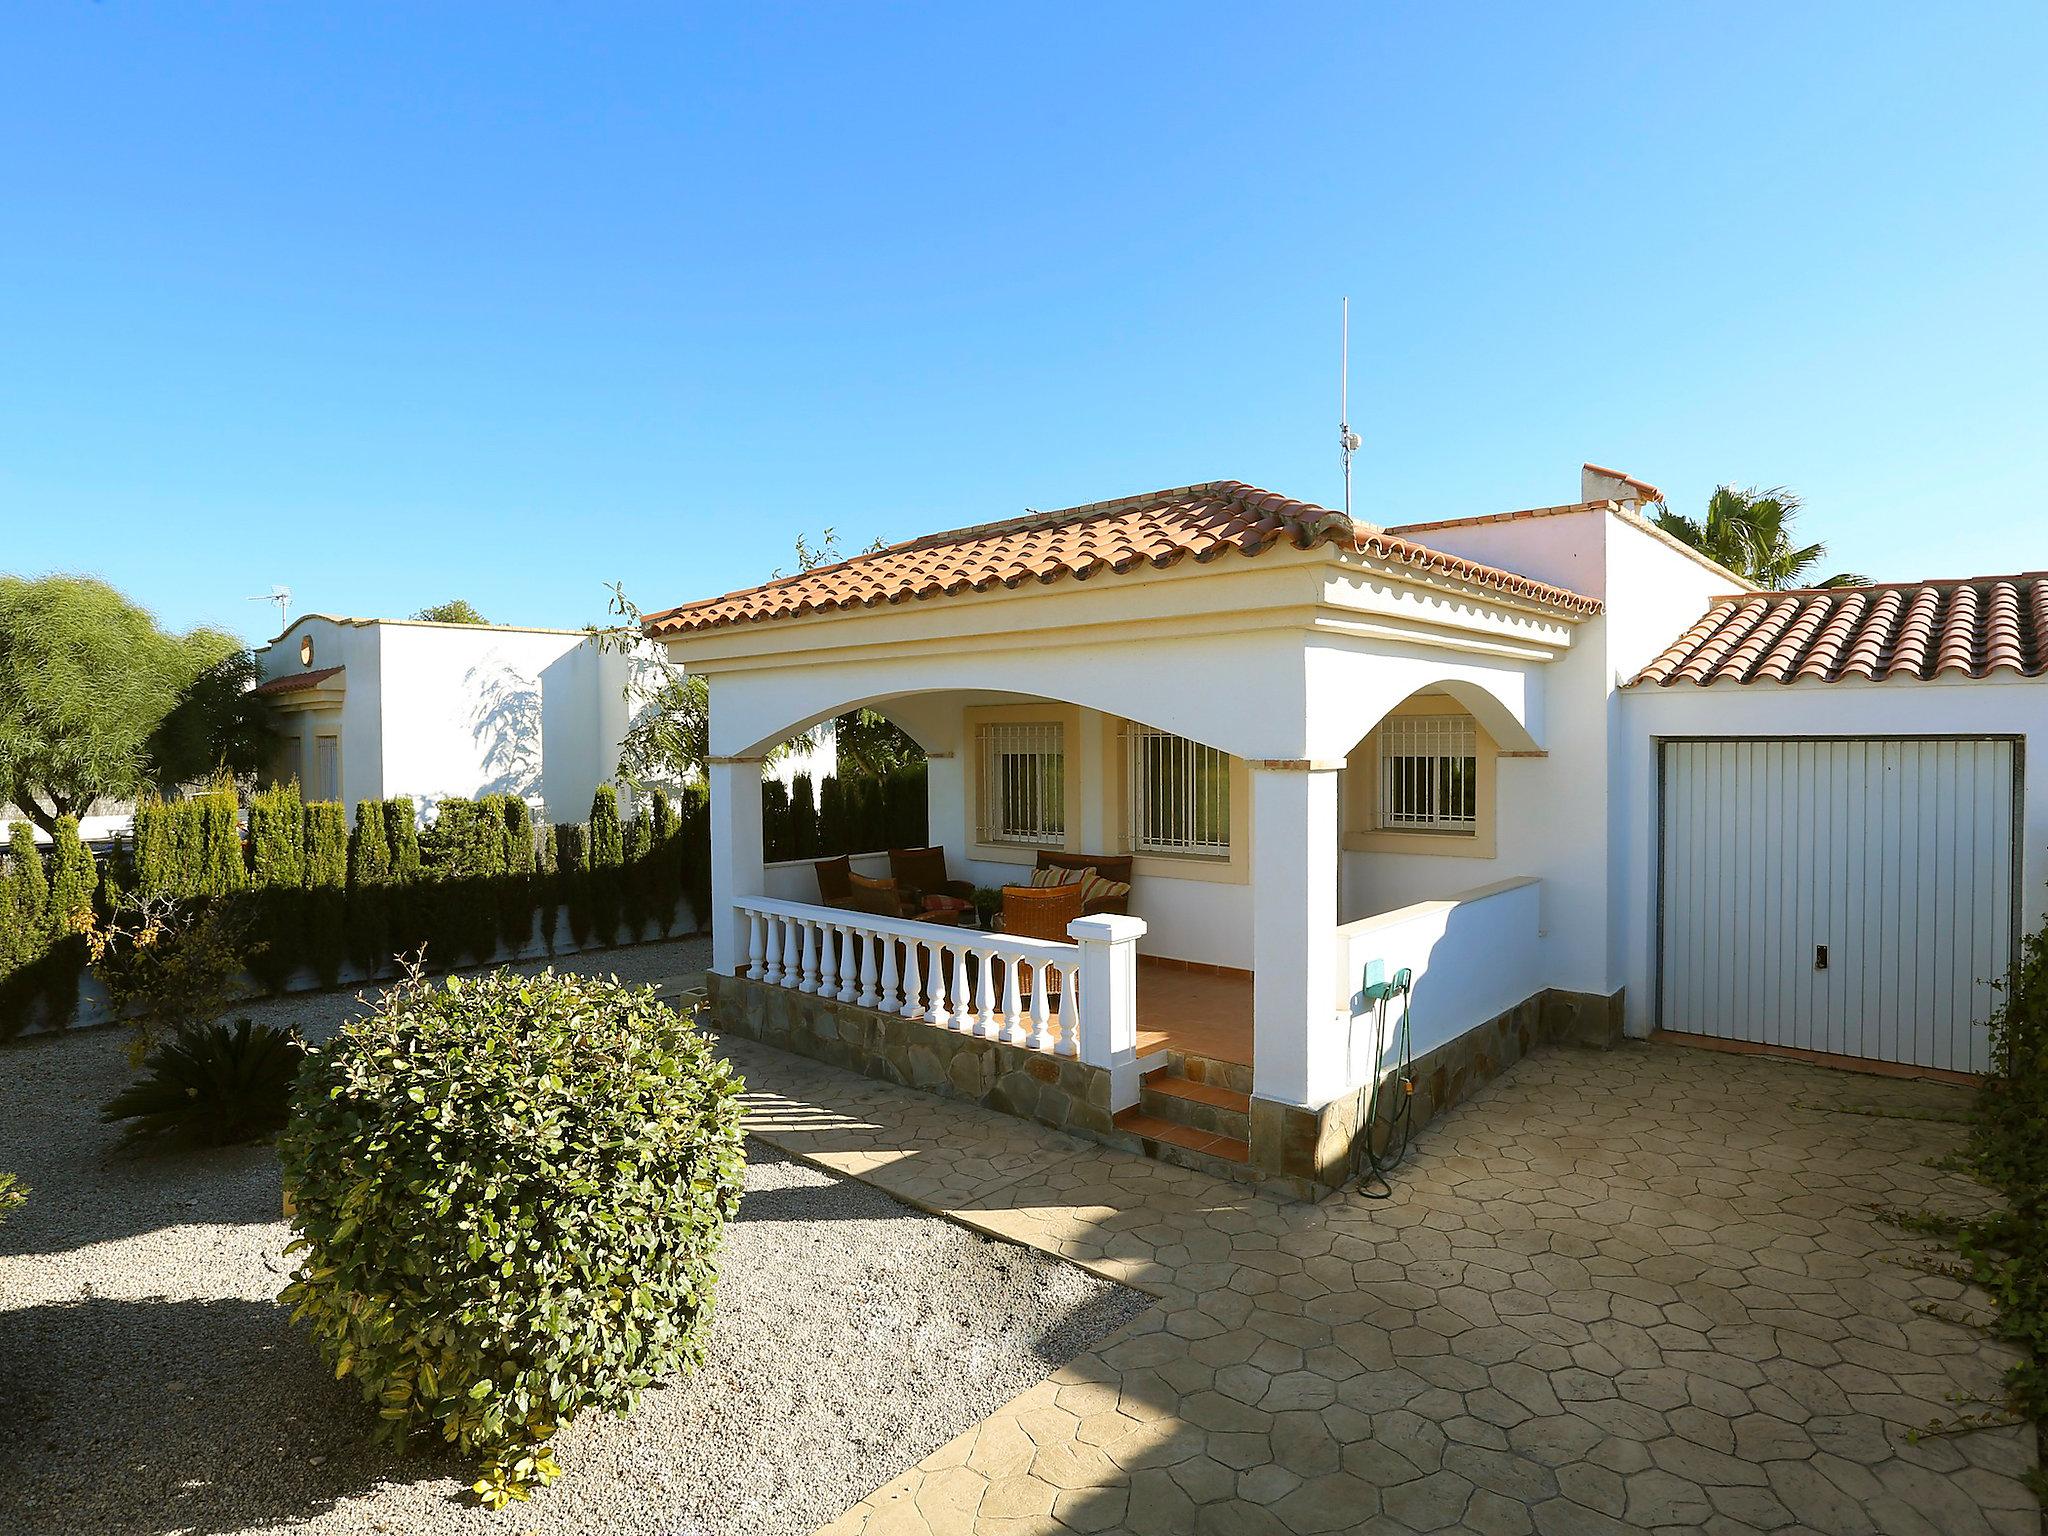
1005,751
1177,801
1425,763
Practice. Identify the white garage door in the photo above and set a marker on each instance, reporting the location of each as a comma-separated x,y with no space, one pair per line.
1849,896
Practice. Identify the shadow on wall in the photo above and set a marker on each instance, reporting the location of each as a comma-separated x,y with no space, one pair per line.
505,723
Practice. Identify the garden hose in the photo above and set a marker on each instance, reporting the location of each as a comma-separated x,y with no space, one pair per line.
1400,1115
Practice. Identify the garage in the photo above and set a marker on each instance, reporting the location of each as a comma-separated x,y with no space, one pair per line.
1848,895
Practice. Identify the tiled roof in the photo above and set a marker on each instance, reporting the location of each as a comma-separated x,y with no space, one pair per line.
1917,630
1201,522
298,682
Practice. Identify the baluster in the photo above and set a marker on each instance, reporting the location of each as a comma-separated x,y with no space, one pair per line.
792,951
757,944
1040,1037
1070,1008
1012,1032
844,939
771,940
887,1000
867,997
828,961
935,986
806,955
964,1015
984,994
911,1005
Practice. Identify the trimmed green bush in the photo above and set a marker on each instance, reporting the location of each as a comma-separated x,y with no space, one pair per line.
639,876
515,885
803,818
212,1085
694,817
24,928
572,875
155,856
607,864
73,879
665,881
369,887
777,840
277,879
218,865
405,903
547,887
509,1194
326,906
833,827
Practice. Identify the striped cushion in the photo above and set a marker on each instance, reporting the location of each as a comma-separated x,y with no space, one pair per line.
1054,874
1095,889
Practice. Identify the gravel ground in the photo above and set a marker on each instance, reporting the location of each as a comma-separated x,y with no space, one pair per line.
149,1384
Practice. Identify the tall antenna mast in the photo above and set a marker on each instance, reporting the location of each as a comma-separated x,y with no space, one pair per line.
1347,440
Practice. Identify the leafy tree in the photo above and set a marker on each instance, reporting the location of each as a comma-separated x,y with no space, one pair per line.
1750,532
871,746
218,726
455,611
88,682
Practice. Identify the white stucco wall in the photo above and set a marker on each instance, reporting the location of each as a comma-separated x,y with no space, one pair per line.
435,710
1950,707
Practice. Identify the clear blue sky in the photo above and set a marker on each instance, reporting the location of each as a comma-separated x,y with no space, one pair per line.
397,303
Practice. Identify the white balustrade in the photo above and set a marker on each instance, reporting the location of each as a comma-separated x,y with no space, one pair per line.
1076,999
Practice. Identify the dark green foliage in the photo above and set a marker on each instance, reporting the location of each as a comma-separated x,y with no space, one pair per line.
154,837
833,827
24,929
639,876
665,880
405,902
509,1195
212,1085
73,879
326,898
607,864
778,835
803,816
572,875
457,610
12,1195
369,890
547,887
218,866
515,885
277,880
464,856
693,816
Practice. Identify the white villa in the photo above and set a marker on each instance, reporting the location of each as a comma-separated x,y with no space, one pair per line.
1571,776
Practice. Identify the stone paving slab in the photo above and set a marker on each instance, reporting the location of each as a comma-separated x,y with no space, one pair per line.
1616,1291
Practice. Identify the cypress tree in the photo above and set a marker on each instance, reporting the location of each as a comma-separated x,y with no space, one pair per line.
572,874
775,839
155,839
803,818
27,939
12,1015
607,861
73,876
547,887
484,859
277,878
326,888
369,883
29,883
694,819
188,848
665,883
516,884
403,903
832,838
639,876
218,866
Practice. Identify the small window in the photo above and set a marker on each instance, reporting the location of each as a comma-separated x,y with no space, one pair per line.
1023,789
1429,774
1178,796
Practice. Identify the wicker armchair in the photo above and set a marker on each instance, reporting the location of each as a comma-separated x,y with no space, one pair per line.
835,881
1040,912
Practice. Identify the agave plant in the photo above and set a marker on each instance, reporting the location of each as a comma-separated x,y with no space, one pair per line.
212,1084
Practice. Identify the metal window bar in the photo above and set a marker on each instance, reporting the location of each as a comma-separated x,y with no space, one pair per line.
1178,794
1429,773
1022,785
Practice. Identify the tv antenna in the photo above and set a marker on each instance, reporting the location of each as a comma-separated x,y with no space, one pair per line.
282,596
1347,440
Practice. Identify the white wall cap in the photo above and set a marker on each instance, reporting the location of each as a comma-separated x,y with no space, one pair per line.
1106,927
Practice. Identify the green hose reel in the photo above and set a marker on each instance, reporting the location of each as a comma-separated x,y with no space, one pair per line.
1377,996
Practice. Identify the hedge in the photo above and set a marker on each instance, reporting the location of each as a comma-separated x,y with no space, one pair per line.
852,815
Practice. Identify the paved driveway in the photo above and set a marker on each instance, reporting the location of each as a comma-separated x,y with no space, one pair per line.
1635,1290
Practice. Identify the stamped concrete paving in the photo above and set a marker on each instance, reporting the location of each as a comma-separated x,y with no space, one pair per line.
1636,1290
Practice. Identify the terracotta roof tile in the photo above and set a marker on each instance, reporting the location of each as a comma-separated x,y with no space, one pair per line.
1919,630
1198,522
297,682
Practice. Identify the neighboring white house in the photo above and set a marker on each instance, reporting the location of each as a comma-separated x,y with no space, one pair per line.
1507,754
371,708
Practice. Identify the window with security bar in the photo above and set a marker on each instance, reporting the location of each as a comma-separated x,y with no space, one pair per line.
1429,774
1178,796
1023,788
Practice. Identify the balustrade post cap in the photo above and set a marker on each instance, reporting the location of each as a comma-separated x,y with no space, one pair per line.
1107,927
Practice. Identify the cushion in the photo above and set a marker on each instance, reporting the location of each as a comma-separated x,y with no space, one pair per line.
877,896
1053,874
935,903
1095,889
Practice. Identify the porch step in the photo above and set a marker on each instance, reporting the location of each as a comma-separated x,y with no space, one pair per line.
1219,1111
1234,1075
1172,1142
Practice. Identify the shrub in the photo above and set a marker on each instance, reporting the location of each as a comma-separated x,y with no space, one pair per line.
155,837
277,878
694,820
509,1196
803,818
607,861
167,964
212,1084
572,874
665,880
515,888
639,876
776,842
217,864
832,826
405,904
369,883
24,928
73,878
326,907
547,887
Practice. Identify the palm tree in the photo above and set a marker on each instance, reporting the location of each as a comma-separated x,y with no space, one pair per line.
1750,532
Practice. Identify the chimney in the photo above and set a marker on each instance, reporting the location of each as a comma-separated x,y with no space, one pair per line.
1598,484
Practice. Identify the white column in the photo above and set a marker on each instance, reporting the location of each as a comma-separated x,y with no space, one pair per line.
736,863
1108,979
1297,1050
